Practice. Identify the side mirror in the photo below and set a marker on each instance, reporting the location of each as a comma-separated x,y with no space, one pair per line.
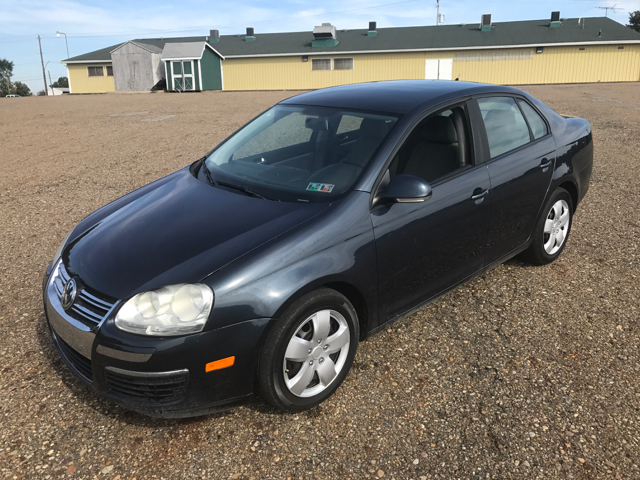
407,189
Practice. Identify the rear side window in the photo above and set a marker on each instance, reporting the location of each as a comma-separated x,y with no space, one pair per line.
538,127
504,123
349,123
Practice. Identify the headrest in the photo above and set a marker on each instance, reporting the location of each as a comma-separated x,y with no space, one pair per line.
499,118
319,123
373,128
439,130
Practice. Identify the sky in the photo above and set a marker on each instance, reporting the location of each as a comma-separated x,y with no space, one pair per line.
90,25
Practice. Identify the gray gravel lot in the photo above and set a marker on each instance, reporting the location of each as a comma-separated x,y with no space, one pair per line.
525,372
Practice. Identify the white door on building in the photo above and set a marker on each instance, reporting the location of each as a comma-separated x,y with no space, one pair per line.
438,69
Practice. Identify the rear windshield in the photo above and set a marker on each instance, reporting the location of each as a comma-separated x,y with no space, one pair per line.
300,153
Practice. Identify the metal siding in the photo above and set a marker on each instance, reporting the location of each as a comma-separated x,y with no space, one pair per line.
291,73
81,82
502,66
553,65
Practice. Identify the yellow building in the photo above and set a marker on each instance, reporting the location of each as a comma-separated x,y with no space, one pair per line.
91,72
509,53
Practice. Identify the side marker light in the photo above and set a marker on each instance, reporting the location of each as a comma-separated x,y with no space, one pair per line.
218,364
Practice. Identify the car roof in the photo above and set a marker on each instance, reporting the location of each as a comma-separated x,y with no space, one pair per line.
397,96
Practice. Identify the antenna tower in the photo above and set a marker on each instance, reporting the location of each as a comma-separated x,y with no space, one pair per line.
614,8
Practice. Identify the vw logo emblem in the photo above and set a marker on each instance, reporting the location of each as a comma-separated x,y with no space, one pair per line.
69,293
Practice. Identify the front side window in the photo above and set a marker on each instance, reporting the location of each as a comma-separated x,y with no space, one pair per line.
295,153
436,148
504,123
95,71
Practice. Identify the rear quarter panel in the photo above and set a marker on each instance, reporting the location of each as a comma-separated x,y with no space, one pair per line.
574,150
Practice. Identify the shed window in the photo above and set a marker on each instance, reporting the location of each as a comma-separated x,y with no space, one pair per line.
343,63
320,64
109,71
96,71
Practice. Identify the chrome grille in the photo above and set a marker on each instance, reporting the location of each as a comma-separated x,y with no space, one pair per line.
89,308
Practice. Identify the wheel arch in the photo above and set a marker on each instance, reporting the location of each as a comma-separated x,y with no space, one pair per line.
353,294
570,187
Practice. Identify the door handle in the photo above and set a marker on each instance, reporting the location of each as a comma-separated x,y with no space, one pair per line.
545,163
479,195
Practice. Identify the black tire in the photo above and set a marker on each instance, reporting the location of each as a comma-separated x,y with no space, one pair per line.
536,253
273,369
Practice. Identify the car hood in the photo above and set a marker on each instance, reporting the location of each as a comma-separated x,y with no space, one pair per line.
179,232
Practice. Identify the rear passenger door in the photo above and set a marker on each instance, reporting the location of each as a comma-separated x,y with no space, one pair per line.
520,154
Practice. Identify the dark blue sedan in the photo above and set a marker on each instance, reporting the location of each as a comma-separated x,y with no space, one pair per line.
259,268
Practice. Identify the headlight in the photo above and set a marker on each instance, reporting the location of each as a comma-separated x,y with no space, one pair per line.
172,310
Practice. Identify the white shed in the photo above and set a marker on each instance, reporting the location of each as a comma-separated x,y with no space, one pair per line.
136,66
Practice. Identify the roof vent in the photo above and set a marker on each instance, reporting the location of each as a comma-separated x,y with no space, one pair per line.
214,36
249,37
372,30
555,20
485,22
325,36
326,30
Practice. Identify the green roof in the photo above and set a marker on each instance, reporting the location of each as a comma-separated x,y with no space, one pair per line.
465,36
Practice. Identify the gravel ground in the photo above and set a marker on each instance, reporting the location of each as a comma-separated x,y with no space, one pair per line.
524,372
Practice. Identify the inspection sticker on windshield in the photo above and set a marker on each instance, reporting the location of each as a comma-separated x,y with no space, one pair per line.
320,187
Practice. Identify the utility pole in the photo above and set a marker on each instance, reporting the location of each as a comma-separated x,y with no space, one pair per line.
50,82
44,77
438,13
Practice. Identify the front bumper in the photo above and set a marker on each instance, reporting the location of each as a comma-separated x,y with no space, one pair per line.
162,377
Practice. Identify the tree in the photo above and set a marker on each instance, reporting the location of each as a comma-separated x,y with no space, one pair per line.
41,93
22,89
62,82
634,20
6,70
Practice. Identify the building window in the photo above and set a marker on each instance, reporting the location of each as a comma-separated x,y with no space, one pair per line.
95,71
109,71
343,63
320,64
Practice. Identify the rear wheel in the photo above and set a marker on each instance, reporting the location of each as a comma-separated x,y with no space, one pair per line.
552,229
309,351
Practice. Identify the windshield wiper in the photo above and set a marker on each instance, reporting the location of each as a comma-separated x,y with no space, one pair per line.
246,191
205,169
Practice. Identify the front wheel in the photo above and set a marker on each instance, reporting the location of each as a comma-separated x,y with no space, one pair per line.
552,229
309,351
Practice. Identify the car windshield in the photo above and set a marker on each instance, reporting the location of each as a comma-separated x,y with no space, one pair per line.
299,153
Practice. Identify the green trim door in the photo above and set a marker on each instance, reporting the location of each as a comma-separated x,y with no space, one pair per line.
182,76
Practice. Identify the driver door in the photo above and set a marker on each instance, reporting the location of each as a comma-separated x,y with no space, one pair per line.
425,248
